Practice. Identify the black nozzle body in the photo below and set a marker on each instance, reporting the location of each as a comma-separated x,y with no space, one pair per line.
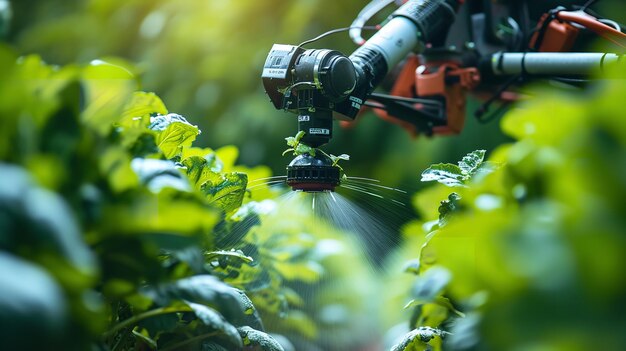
313,173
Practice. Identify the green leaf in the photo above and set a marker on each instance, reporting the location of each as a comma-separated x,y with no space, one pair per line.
227,192
418,339
108,88
255,338
200,171
471,162
42,221
448,207
232,303
444,173
173,133
294,141
297,147
215,321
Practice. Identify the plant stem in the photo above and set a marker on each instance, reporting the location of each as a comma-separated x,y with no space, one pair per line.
190,340
135,319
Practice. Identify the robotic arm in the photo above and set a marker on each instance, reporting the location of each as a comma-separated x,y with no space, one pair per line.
428,97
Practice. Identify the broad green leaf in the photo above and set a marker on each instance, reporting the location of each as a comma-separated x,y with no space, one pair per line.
471,162
199,171
216,322
419,340
444,173
31,304
255,338
227,192
232,303
173,133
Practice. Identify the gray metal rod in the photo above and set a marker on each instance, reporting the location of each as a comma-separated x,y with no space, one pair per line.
550,63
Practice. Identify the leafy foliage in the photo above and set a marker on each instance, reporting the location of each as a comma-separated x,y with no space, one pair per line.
520,254
297,147
137,238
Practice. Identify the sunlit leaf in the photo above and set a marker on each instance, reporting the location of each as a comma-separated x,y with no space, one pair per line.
227,193
173,133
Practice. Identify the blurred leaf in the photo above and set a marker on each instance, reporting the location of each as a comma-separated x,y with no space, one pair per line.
142,105
255,338
52,234
159,174
430,284
31,304
108,87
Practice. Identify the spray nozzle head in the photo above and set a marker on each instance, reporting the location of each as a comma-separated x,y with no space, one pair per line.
313,173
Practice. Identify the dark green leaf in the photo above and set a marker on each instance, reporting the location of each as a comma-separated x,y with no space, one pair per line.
215,321
255,338
31,304
227,192
232,303
200,171
448,207
52,232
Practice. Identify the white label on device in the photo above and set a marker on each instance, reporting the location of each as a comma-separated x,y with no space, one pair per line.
275,72
318,131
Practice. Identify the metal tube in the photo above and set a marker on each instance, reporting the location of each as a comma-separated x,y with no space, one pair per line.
550,63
